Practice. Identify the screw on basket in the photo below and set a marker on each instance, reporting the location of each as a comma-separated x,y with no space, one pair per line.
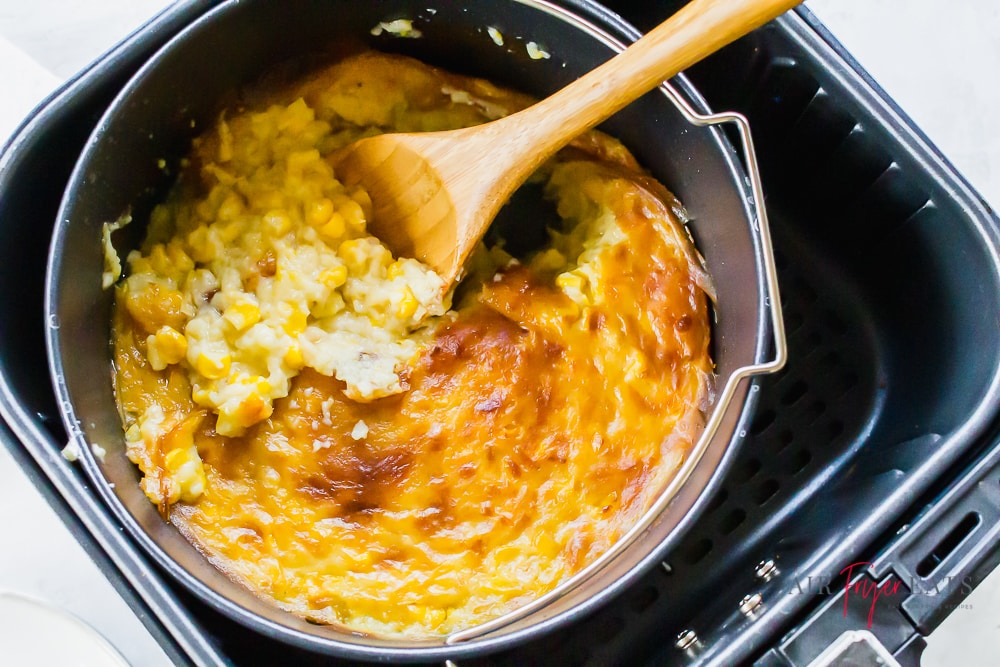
686,639
767,570
750,605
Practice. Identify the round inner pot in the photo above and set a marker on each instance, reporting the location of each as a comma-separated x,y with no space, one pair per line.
181,90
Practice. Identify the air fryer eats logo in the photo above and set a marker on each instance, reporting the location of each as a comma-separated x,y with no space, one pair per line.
868,593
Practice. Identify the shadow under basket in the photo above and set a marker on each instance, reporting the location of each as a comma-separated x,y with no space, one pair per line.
868,447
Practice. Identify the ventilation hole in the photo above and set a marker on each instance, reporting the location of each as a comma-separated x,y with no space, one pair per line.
799,461
643,599
814,411
762,421
820,129
765,491
785,438
835,428
717,501
732,521
745,472
698,551
950,542
794,393
780,92
889,203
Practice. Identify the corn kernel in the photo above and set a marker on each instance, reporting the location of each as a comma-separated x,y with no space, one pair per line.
138,263
205,210
225,234
335,277
158,259
242,315
334,227
549,260
293,357
250,411
375,315
265,199
202,245
225,141
202,396
231,208
353,253
294,116
296,323
180,262
175,458
188,472
407,305
569,281
167,346
220,174
574,285
395,270
319,212
301,161
353,214
364,201
211,368
277,222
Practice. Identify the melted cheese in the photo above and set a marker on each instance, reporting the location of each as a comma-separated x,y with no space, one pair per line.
532,424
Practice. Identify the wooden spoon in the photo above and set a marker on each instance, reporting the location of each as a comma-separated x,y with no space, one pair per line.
435,193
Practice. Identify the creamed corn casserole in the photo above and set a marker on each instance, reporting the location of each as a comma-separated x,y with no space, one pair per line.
321,421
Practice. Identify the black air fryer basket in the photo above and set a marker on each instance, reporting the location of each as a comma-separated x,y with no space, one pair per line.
873,459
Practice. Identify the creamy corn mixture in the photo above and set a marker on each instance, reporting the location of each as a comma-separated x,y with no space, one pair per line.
315,416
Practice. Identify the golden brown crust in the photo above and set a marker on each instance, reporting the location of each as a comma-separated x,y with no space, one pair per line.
534,430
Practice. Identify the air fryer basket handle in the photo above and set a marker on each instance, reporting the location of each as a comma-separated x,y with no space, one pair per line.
950,548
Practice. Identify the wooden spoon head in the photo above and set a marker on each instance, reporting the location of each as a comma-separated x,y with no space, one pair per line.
412,211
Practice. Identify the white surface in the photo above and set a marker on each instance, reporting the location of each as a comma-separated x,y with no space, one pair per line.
43,560
940,61
26,630
25,83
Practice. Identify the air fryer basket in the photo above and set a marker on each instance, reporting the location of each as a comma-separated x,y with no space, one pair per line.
889,396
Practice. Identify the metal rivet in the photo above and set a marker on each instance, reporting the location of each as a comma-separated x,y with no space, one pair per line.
767,570
750,604
686,640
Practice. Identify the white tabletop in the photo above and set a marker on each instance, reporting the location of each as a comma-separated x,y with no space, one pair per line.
941,66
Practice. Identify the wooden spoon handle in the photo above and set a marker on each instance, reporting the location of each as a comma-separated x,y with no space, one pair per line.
696,31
